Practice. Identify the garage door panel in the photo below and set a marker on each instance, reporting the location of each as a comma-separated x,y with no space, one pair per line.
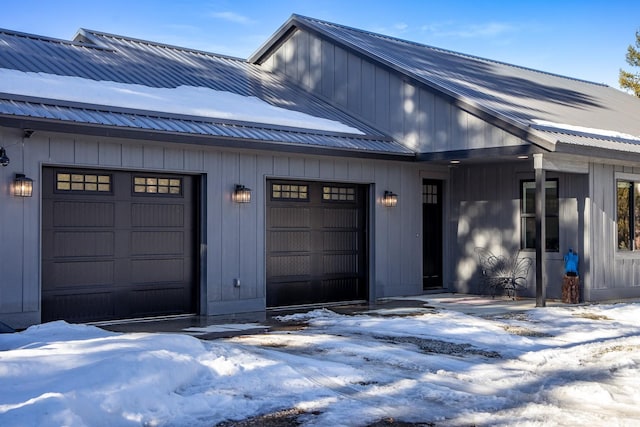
290,241
291,293
156,300
83,214
157,215
157,242
120,253
79,307
341,241
81,273
290,217
289,265
83,244
157,270
316,249
346,288
339,264
340,218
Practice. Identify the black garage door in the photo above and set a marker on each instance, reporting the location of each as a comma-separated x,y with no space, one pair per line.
117,244
316,243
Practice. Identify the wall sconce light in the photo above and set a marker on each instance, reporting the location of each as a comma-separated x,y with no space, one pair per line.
389,199
242,194
4,159
22,186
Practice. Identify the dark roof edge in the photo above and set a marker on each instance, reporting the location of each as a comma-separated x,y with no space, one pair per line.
49,125
515,128
199,119
472,154
599,152
273,42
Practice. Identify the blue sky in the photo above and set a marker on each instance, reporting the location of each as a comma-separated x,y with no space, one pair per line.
584,39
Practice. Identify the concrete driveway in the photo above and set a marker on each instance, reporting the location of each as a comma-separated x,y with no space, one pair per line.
213,327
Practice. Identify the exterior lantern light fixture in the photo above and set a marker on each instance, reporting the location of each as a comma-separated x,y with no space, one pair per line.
389,199
4,159
22,186
242,194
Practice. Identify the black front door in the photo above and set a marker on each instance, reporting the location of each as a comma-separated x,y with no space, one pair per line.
432,234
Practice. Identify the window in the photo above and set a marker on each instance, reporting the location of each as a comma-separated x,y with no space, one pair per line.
289,192
345,194
429,194
157,185
628,219
528,216
83,182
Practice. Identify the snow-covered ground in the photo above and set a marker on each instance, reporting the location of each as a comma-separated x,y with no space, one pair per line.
576,365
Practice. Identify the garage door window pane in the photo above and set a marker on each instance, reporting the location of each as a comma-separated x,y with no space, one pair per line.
157,185
289,192
79,182
340,194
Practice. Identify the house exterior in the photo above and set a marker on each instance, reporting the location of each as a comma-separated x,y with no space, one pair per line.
139,153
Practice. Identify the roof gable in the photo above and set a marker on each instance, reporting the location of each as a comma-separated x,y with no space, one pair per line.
514,96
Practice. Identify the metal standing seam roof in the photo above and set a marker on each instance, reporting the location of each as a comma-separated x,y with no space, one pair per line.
101,56
516,94
196,126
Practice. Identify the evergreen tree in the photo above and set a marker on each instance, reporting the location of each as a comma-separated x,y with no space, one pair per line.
631,81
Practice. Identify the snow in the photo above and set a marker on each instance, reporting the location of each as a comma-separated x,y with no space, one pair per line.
561,366
586,130
183,100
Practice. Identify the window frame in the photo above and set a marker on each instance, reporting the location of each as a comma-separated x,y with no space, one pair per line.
548,215
633,214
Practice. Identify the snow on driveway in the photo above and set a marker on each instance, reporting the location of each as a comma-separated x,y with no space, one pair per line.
570,366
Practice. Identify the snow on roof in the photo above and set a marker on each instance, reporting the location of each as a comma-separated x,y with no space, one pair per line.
184,100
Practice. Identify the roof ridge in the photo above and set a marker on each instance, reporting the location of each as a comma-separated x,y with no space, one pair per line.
443,50
48,39
94,34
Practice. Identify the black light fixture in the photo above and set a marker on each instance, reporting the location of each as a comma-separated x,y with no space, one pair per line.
242,194
4,159
22,186
389,199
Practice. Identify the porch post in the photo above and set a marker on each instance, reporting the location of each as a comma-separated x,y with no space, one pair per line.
540,229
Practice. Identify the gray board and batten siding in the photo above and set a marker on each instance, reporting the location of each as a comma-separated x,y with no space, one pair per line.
410,112
232,241
620,276
485,212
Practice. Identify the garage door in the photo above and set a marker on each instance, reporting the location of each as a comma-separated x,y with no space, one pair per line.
117,244
316,243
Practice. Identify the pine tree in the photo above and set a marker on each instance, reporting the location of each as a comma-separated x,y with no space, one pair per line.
629,80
